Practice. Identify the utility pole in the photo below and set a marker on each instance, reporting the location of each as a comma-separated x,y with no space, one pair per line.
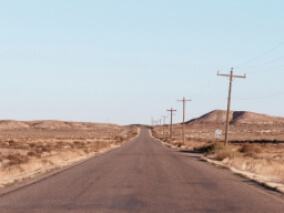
231,77
171,128
164,117
184,101
161,128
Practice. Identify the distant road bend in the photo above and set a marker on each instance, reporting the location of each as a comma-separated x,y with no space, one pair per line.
142,176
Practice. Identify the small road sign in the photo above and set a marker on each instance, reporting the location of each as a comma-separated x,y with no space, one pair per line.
218,133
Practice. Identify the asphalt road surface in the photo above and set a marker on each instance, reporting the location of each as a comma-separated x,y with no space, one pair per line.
142,176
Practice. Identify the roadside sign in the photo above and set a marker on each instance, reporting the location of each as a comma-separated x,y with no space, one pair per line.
218,133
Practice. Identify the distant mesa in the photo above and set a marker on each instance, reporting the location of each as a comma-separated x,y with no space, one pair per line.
140,125
235,117
6,125
13,125
214,117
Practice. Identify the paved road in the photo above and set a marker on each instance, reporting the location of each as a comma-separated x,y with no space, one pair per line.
142,176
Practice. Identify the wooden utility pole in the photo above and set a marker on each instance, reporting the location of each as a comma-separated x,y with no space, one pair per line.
184,101
171,128
164,117
231,77
161,128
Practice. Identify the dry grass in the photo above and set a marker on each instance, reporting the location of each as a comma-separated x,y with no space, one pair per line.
255,151
25,150
237,132
250,148
15,159
223,155
266,160
33,154
206,148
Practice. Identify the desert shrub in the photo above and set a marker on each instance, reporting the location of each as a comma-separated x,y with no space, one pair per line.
79,145
4,144
17,145
106,138
118,138
250,154
72,146
96,146
38,149
210,147
32,145
205,148
178,144
17,159
223,155
58,146
219,146
45,149
49,147
246,147
34,154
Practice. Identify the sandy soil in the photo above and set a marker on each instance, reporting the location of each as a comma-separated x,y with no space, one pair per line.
28,151
261,137
244,126
265,161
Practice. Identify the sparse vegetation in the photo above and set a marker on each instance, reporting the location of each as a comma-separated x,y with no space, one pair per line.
34,154
256,141
220,156
244,127
206,148
36,145
15,159
248,148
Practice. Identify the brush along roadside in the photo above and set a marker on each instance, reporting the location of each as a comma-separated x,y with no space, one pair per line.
260,179
262,163
24,160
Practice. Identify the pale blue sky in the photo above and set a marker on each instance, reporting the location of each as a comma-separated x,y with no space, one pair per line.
125,61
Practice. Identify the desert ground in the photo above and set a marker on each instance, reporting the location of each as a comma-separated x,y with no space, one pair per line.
142,176
34,147
244,127
256,141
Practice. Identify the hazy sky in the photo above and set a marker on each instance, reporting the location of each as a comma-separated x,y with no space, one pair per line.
125,61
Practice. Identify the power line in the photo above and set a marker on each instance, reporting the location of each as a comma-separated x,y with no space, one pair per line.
260,56
263,64
268,70
272,61
206,94
205,88
260,98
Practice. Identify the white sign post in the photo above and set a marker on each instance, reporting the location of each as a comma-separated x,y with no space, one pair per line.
218,134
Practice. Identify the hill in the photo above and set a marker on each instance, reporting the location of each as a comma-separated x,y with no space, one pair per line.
49,125
235,117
